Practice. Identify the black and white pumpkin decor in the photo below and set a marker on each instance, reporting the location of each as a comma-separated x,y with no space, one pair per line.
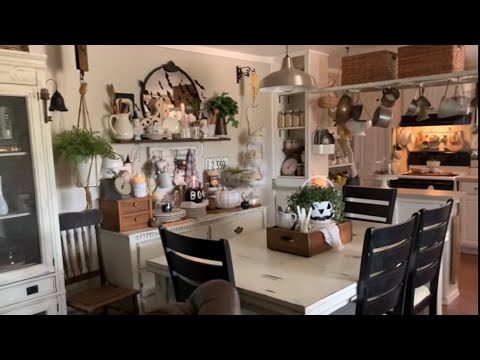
322,211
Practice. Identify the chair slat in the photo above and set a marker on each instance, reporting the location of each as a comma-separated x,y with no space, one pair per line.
389,259
386,282
385,303
429,255
201,248
196,271
367,209
65,255
432,236
425,275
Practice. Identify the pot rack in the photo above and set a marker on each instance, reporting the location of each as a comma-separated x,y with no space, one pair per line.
456,78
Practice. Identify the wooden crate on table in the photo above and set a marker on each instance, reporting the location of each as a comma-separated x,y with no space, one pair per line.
369,67
297,243
424,60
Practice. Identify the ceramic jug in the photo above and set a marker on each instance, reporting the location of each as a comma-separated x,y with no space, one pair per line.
122,128
286,220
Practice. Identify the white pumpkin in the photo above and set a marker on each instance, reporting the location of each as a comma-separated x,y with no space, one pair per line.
322,212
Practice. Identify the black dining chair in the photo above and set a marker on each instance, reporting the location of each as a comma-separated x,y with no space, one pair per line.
383,270
192,262
426,260
369,204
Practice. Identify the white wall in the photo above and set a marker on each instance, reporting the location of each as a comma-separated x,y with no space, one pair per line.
123,66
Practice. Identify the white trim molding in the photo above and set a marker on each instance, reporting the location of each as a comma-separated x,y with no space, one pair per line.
200,49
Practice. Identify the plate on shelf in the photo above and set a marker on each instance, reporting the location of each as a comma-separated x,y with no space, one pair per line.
155,136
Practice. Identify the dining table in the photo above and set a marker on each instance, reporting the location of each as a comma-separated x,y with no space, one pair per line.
272,282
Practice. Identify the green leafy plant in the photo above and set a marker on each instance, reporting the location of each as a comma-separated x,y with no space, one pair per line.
79,145
305,196
226,106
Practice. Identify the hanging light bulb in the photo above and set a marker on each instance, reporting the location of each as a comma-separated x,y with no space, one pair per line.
288,79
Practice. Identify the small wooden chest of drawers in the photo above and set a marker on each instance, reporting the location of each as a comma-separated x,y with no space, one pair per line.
124,215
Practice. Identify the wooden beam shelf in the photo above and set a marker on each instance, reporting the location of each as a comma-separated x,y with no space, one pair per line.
166,140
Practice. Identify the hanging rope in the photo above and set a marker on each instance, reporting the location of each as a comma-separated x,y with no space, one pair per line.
84,117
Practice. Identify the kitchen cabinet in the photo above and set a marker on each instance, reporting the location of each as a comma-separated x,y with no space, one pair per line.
30,252
469,218
125,253
289,139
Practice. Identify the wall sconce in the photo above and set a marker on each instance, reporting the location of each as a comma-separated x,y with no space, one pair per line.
241,72
56,103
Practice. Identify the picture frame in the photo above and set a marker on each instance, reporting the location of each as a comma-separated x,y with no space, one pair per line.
15,47
130,99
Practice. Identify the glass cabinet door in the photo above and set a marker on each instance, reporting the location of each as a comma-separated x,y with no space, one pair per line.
19,228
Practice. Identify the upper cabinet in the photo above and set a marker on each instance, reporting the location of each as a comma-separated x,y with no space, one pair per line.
29,230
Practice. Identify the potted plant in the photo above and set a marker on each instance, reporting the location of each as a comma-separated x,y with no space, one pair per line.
326,203
79,149
223,109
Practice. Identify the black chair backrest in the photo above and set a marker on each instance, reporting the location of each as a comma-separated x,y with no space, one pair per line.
213,261
384,268
428,250
80,246
369,204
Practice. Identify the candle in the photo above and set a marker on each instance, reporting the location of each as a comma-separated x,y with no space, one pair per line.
138,179
183,109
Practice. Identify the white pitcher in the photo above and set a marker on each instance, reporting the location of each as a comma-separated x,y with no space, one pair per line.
286,220
122,129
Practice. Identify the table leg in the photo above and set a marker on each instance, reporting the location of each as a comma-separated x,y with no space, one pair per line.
161,289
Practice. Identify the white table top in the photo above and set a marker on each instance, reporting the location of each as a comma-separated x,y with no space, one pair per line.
299,283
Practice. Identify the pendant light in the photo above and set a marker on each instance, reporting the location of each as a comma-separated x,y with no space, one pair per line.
288,79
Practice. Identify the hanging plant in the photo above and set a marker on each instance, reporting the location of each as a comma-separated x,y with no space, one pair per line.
80,145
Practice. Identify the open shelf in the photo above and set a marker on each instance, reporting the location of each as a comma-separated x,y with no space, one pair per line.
340,165
460,77
166,140
11,216
13,154
292,128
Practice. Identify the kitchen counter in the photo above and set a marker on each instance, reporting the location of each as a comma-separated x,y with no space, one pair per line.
468,178
430,194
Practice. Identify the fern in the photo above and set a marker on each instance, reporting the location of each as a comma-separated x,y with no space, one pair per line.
79,145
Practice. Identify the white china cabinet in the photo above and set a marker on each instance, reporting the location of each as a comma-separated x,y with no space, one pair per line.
31,270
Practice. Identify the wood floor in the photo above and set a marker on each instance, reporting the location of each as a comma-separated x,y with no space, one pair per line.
467,302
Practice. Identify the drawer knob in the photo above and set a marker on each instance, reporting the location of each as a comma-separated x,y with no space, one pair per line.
238,230
135,204
135,219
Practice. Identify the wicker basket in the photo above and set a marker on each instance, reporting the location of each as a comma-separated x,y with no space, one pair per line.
369,67
327,102
423,60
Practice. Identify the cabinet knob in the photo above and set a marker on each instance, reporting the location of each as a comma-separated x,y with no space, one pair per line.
238,230
135,204
135,219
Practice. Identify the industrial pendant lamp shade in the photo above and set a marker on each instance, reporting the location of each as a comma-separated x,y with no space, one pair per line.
288,79
57,103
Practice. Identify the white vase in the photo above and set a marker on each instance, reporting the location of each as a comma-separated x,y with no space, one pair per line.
81,174
3,203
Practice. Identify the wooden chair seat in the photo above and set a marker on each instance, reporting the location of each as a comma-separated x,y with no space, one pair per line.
93,299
